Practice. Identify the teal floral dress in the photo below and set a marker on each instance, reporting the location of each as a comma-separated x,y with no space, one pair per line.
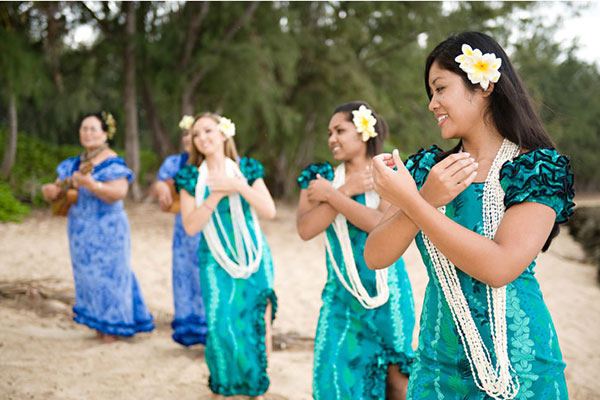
441,370
235,345
354,346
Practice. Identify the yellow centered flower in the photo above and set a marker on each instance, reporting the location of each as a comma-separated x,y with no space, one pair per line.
186,122
226,127
364,122
480,68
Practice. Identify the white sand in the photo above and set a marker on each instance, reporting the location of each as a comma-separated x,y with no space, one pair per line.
52,357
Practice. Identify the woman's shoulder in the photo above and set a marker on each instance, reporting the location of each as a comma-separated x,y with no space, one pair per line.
540,175
309,173
113,167
66,167
252,169
186,179
171,165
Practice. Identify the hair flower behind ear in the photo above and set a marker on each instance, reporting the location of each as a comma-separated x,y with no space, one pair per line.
480,68
364,121
109,120
227,127
186,122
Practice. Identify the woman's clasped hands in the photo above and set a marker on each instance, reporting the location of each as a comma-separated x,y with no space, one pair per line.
445,181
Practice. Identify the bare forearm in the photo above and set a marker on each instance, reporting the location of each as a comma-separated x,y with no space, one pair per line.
315,220
389,240
260,200
111,191
480,257
194,218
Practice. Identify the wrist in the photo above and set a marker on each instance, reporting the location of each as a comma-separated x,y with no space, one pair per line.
97,186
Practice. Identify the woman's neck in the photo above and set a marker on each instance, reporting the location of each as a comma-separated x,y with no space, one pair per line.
359,163
215,162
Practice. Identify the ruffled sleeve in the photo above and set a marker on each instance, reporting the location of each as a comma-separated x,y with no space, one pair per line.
541,176
186,179
112,169
310,173
66,168
171,166
420,163
252,169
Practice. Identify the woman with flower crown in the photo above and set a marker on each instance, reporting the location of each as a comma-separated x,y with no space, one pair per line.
108,297
480,214
222,197
189,323
363,340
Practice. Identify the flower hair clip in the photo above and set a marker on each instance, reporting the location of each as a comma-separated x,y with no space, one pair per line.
227,127
186,122
364,121
110,122
480,68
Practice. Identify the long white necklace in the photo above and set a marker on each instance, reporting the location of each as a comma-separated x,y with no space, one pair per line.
246,255
340,227
496,381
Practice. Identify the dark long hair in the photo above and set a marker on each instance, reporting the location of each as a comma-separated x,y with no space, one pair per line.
510,107
374,144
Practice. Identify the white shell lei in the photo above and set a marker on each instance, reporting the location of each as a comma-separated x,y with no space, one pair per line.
496,381
246,255
340,227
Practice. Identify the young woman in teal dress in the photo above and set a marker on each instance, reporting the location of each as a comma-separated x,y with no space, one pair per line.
189,322
108,297
363,340
222,197
485,331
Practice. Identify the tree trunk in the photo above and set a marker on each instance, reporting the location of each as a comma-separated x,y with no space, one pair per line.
132,143
8,160
160,135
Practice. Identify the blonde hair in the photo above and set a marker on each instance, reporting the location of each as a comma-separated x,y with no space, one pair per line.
229,148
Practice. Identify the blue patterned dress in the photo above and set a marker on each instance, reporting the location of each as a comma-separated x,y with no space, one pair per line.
353,345
235,308
441,369
108,297
189,324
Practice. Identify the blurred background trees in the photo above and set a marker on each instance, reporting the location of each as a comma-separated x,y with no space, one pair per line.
277,69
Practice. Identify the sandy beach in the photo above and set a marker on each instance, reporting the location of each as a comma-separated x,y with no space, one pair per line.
45,355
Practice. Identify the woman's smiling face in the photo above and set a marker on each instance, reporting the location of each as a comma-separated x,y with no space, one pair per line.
344,140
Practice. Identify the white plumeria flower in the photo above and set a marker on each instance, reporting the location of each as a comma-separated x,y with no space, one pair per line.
186,122
364,122
480,68
227,127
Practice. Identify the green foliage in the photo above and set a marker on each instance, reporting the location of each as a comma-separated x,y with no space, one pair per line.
11,209
278,76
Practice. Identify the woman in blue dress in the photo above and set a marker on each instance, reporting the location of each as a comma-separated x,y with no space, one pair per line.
363,340
480,214
108,297
189,323
222,197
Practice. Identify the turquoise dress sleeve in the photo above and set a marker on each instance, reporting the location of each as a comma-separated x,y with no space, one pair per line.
541,176
420,163
186,179
310,173
252,169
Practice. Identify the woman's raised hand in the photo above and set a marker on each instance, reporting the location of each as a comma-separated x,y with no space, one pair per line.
50,191
225,185
448,178
83,180
357,183
397,186
319,189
